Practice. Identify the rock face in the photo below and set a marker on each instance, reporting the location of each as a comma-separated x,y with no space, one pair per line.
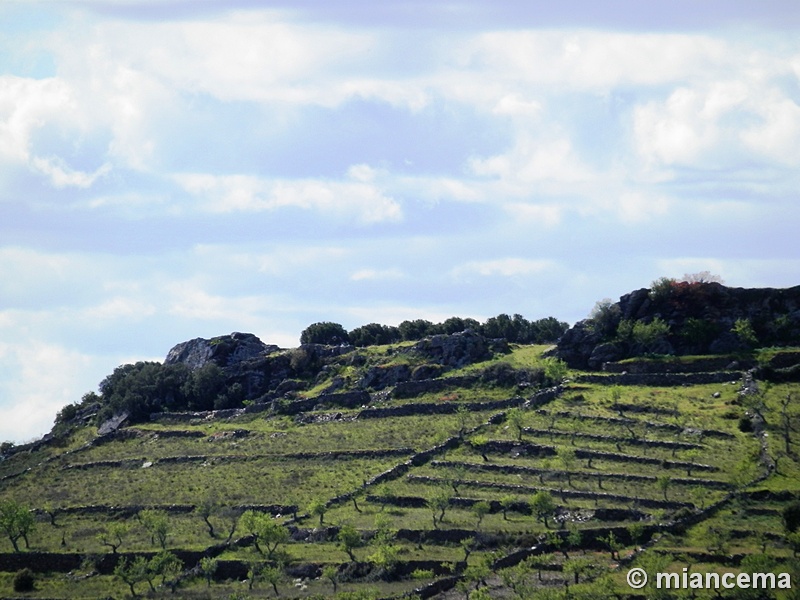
700,317
225,350
458,349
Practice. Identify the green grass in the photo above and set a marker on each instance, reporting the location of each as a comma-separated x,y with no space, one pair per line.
256,469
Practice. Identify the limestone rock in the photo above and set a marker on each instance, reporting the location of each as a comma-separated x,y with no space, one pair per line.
700,317
225,350
456,350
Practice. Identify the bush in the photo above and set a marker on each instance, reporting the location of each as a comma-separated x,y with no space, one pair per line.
328,333
743,330
24,581
699,332
649,333
661,288
791,516
604,318
745,424
644,334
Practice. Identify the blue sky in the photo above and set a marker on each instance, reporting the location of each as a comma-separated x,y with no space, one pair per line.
174,169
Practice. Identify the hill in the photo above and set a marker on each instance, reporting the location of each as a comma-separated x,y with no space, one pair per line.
683,318
453,465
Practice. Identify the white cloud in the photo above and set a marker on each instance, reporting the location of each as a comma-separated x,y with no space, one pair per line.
504,267
515,106
283,259
594,59
357,200
41,377
535,160
63,176
547,215
376,275
25,106
777,136
719,124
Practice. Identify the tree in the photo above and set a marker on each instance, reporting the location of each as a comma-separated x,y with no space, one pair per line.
208,566
385,557
543,506
538,561
166,565
574,536
506,502
383,529
205,510
547,330
255,570
613,544
272,575
743,329
332,334
51,512
663,483
113,535
468,545
438,503
578,567
230,515
415,330
604,318
516,419
144,388
567,458
16,521
318,508
702,277
636,532
204,386
266,531
331,573
132,572
458,474
462,418
156,522
349,538
373,334
480,509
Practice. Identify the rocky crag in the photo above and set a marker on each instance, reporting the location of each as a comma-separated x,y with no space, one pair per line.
681,318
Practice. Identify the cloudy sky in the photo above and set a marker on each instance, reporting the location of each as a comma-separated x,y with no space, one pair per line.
172,169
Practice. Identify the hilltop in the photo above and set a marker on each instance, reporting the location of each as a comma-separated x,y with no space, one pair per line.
677,318
457,462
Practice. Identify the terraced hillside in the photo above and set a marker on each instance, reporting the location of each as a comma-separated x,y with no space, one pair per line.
500,475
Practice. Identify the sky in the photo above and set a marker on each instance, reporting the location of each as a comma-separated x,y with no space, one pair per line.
173,169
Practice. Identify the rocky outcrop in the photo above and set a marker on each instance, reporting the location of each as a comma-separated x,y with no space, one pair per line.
700,318
225,350
459,349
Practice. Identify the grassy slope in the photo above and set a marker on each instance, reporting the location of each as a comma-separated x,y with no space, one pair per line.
254,470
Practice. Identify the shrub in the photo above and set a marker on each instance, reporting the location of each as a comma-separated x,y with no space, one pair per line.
422,574
649,333
791,516
604,318
700,332
743,330
661,288
745,424
325,332
24,581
